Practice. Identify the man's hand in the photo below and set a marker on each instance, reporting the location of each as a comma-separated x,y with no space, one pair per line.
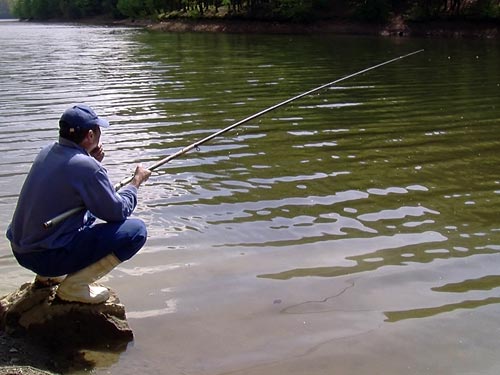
141,174
97,153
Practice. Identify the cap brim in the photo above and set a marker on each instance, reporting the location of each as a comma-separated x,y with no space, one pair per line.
102,123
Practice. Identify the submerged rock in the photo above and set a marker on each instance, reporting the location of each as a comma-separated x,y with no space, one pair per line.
59,331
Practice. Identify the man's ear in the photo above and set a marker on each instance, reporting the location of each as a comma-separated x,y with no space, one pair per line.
87,140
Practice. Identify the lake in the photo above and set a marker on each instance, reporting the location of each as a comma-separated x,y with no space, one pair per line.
353,231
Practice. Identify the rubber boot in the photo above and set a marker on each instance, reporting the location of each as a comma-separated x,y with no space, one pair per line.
78,287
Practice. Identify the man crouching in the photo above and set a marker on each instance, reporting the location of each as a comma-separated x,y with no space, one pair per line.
65,175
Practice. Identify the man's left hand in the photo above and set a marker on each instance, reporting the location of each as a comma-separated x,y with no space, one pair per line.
97,153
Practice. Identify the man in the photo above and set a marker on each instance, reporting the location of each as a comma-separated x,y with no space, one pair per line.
65,175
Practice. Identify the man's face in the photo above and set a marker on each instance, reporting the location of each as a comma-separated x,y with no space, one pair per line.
92,139
97,136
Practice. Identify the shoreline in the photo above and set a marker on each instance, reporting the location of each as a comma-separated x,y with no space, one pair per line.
396,27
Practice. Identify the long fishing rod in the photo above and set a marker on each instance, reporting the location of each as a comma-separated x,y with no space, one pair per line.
195,145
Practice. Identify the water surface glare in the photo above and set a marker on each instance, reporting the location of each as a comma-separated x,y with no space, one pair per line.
355,231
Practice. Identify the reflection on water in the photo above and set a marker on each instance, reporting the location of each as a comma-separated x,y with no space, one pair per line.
484,283
389,180
395,316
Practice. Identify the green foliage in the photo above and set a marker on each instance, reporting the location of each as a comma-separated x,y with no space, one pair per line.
294,10
22,9
145,8
454,9
131,8
372,10
485,9
44,9
67,9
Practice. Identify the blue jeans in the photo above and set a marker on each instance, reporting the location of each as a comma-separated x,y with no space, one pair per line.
123,239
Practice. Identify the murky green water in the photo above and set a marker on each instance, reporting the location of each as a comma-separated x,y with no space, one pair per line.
355,231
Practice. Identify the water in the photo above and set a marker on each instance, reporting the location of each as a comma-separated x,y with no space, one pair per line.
355,231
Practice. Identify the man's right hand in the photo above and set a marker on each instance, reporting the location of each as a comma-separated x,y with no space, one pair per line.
141,174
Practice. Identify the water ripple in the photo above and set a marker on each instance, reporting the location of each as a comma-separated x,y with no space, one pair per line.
387,169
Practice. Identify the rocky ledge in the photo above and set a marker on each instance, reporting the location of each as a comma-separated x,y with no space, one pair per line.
40,332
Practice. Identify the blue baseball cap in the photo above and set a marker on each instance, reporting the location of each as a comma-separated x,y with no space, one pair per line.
81,116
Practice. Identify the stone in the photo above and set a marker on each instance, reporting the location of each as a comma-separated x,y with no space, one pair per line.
33,318
36,311
22,370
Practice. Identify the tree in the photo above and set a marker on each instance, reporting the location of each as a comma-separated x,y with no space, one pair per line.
5,9
132,8
295,10
44,9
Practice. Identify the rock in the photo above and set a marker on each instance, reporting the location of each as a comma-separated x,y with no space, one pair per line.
36,311
34,318
22,370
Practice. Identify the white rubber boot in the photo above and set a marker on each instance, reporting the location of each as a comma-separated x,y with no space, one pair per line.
78,287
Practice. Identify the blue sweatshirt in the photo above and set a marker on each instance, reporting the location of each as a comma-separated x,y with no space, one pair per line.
64,176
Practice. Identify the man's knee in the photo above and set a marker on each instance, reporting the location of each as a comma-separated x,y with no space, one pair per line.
141,233
137,235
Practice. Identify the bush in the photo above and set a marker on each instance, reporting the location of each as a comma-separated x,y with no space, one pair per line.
372,10
485,9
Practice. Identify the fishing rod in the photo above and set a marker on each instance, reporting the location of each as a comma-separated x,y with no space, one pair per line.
195,145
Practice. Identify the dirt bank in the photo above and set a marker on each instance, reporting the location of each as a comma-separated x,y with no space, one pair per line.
396,27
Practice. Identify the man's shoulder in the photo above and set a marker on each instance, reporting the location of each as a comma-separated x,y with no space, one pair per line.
84,161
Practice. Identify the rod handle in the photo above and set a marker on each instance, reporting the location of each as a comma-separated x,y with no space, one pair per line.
59,218
123,182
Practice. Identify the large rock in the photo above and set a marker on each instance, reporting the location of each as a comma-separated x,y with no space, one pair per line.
34,317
